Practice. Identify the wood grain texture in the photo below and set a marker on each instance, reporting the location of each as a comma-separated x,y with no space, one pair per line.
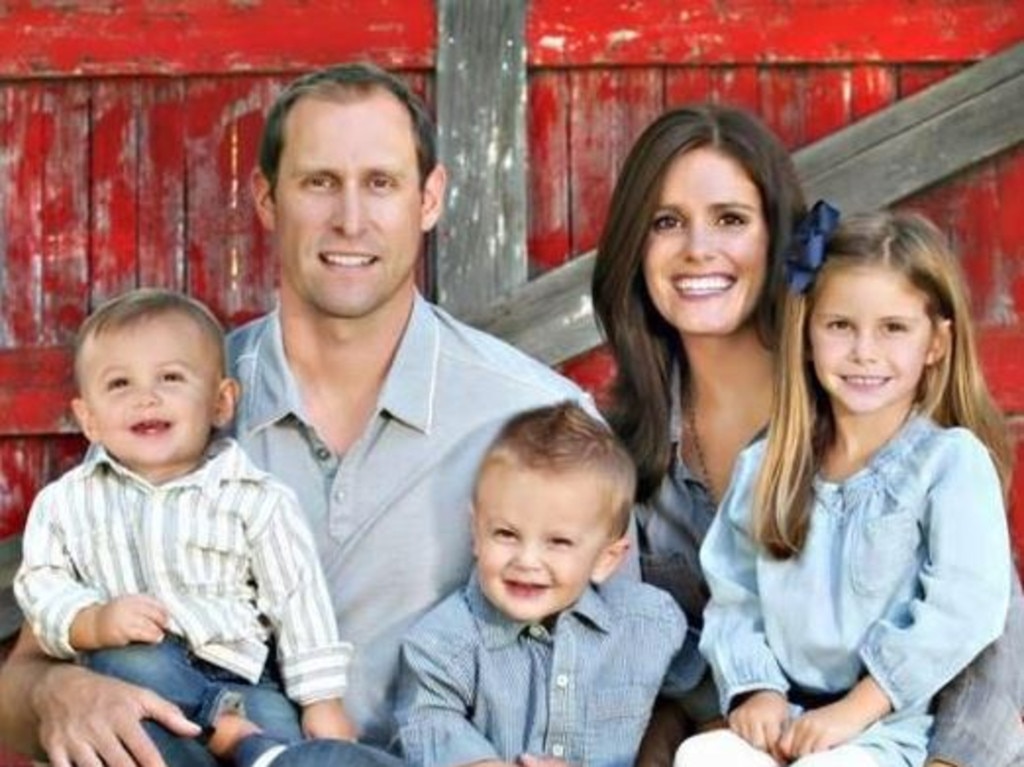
481,108
201,37
875,162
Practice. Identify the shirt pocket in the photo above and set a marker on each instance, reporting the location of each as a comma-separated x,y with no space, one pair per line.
616,719
211,551
884,547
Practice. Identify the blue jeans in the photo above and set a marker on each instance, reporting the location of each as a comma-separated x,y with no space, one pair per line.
194,685
314,753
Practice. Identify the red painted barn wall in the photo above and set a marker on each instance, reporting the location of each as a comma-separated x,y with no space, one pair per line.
128,132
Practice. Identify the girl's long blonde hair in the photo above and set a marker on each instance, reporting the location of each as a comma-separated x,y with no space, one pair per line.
952,392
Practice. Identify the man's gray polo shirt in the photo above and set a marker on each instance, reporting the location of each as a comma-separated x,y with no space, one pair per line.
391,516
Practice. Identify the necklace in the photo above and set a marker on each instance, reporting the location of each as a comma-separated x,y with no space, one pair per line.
690,415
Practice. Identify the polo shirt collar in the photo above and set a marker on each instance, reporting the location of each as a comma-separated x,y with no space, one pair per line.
409,388
274,394
223,461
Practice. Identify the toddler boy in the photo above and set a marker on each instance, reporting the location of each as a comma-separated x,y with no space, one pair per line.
166,557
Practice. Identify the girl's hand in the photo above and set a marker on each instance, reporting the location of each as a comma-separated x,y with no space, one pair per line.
327,719
837,723
760,720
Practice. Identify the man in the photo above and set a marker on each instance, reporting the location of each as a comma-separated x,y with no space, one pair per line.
374,405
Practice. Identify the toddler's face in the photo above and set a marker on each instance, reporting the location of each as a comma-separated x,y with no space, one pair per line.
540,538
151,392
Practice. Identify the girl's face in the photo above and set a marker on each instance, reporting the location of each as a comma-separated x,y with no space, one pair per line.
871,339
706,255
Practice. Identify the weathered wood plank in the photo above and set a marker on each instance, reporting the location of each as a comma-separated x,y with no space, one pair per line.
202,37
481,108
163,110
229,260
36,385
114,170
199,37
963,96
610,109
548,219
625,32
876,162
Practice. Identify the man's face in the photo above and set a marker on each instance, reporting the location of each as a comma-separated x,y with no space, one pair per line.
348,211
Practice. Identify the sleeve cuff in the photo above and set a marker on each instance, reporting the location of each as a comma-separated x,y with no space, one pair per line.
317,674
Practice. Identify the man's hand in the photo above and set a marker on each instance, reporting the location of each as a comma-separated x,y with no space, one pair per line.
327,719
541,761
760,720
836,723
119,622
89,720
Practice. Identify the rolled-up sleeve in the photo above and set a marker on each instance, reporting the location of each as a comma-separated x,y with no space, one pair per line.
965,580
46,585
434,705
293,594
733,639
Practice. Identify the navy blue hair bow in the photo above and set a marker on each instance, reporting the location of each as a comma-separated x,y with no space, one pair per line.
807,251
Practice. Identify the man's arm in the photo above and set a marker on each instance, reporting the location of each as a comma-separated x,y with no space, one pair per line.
978,714
74,716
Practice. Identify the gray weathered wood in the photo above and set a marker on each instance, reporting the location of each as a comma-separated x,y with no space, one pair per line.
481,108
873,163
921,140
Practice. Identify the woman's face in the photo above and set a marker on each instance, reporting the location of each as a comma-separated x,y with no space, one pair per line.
706,255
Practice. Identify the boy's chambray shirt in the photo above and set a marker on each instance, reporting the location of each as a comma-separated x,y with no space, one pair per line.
476,685
224,548
905,576
390,516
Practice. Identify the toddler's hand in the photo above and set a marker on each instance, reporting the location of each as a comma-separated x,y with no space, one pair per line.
121,621
327,719
760,720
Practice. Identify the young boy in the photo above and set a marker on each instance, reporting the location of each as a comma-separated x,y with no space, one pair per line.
542,658
167,558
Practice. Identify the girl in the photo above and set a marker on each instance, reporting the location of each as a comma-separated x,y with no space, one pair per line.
861,556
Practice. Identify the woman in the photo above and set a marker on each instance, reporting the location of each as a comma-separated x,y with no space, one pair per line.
687,283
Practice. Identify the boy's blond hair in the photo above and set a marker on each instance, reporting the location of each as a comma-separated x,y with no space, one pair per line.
564,438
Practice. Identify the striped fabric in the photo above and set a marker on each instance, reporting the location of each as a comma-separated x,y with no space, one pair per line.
226,550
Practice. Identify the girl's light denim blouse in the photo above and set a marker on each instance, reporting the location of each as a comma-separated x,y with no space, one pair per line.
905,576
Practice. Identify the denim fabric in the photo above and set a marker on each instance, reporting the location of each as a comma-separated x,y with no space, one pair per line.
401,492
170,670
314,753
671,528
904,576
476,685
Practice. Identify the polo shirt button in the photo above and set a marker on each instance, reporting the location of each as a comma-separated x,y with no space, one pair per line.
323,453
562,680
558,750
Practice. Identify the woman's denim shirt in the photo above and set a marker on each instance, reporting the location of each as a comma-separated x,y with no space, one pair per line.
904,576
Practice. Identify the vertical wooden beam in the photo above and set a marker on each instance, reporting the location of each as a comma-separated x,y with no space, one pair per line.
481,108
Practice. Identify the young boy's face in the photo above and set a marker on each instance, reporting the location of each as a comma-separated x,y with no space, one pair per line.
150,392
541,537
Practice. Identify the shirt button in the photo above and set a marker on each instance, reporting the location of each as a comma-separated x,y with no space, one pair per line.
558,750
323,453
562,680
536,631
340,495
